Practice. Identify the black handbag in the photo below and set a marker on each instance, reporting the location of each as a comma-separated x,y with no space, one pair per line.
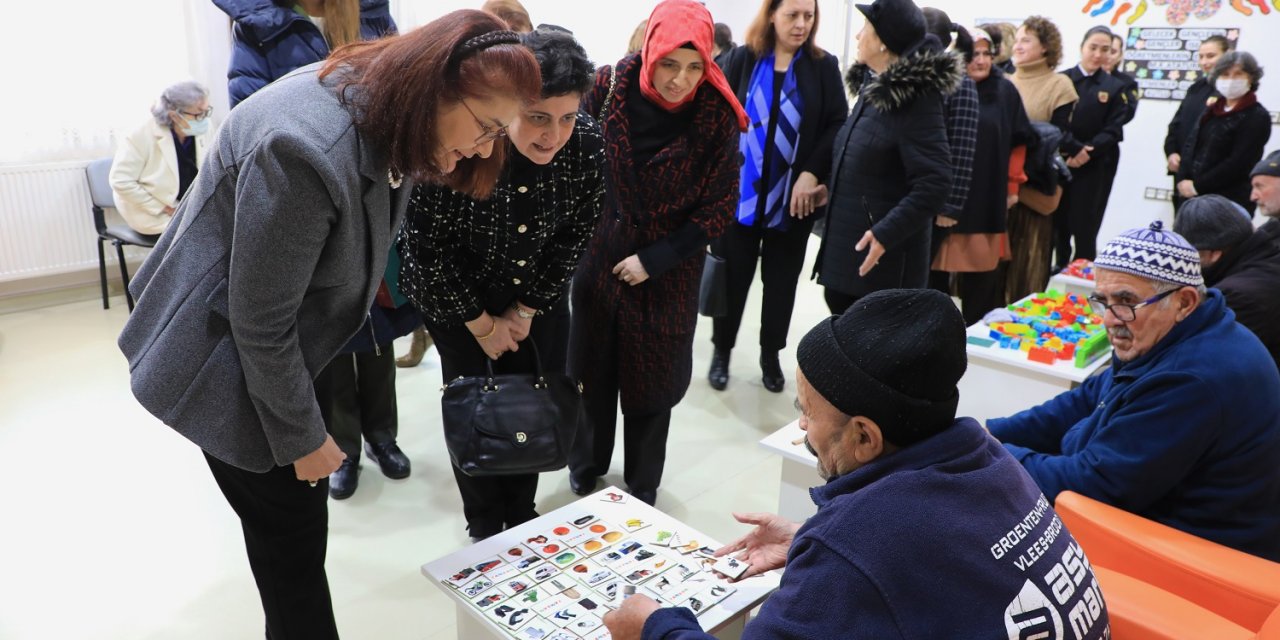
510,424
713,297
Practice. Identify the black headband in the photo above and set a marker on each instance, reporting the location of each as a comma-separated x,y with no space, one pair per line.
486,40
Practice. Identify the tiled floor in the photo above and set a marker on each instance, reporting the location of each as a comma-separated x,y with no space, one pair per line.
112,528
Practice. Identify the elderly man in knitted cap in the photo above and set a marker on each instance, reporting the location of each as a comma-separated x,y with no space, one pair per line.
1242,263
1184,428
1265,179
926,527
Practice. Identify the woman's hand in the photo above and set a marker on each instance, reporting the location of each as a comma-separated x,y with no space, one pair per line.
765,547
1010,201
168,211
520,327
945,222
493,335
318,464
631,271
875,251
1187,189
807,195
1080,159
1175,161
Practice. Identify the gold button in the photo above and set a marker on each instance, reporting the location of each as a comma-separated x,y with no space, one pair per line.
522,228
520,263
523,189
515,281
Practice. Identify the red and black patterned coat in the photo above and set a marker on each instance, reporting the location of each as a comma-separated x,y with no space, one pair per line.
665,211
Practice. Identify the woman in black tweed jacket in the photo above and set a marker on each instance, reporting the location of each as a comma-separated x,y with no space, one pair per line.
487,274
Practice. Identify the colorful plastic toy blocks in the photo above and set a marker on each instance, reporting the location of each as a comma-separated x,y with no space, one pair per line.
1081,268
1050,327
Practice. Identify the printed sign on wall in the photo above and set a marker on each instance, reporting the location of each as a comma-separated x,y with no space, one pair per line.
1166,60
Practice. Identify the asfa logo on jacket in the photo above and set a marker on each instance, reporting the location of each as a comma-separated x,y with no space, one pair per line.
1072,609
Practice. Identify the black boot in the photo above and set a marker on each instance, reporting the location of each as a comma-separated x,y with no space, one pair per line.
390,459
582,485
343,482
772,370
718,376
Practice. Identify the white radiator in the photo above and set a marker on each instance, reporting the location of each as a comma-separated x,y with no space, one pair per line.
46,223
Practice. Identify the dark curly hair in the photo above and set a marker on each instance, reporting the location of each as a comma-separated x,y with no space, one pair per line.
564,63
1049,36
1242,59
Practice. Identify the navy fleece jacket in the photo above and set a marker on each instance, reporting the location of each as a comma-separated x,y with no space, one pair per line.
1187,435
947,538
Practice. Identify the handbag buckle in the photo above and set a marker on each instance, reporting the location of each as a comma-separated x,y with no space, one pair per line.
521,437
541,383
489,386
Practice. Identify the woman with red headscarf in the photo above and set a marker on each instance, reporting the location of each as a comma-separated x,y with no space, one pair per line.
671,126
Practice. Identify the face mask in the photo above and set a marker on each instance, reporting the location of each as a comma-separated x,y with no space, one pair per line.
1232,88
196,127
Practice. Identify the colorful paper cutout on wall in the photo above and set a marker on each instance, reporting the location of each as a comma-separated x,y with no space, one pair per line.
1176,12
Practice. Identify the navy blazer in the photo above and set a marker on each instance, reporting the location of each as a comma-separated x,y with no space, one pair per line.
271,40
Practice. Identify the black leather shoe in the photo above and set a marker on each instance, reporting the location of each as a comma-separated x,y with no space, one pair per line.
390,459
772,370
343,482
648,496
582,485
718,376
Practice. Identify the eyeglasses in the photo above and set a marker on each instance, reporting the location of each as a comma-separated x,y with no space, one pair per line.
197,116
1125,312
490,134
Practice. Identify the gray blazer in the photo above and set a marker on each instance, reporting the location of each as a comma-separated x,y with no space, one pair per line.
269,266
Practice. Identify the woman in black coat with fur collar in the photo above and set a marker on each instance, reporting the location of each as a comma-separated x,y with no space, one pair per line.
892,163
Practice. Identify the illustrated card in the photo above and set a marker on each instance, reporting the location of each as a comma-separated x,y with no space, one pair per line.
561,634
584,520
539,628
511,617
515,585
633,525
580,570
488,565
731,567
543,572
565,559
551,604
688,547
587,623
577,537
550,549
525,564
476,586
531,597
599,634
502,573
662,537
487,599
567,615
614,497
563,584
462,577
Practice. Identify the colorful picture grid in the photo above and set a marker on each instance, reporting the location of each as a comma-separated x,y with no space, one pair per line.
558,584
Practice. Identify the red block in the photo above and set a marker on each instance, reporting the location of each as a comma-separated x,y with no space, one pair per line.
1070,350
1040,354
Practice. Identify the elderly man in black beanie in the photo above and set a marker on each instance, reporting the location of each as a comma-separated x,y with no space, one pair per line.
926,527
1265,180
1242,263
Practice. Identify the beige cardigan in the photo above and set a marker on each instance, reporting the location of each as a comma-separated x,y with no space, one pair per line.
144,176
1042,90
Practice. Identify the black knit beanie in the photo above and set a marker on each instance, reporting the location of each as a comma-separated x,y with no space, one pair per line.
895,357
898,23
1212,223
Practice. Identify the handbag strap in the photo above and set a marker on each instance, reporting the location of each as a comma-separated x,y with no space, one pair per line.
539,383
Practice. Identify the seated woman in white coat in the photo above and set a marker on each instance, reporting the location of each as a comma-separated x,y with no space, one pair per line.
158,161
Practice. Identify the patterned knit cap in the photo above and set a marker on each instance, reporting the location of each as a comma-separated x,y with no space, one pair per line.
1153,253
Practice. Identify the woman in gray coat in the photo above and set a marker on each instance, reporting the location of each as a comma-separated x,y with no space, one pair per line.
275,255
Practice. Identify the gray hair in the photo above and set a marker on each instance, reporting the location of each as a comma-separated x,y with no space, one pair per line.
1163,286
177,97
1242,59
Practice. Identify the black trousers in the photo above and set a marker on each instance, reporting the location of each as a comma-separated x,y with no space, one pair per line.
781,258
492,503
1079,214
357,396
286,533
979,292
644,436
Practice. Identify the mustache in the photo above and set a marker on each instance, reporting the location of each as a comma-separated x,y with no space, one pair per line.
1122,333
810,447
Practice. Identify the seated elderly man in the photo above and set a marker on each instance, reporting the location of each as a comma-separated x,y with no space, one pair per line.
926,527
1242,263
1184,428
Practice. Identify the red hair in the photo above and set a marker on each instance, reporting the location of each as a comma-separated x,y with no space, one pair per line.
396,86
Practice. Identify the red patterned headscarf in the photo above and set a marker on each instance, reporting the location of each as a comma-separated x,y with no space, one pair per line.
672,24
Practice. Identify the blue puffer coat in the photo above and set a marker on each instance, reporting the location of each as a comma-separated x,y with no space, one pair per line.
272,40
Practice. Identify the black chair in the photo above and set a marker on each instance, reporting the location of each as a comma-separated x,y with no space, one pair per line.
119,234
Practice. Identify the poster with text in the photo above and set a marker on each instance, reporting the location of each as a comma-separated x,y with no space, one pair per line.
1166,60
